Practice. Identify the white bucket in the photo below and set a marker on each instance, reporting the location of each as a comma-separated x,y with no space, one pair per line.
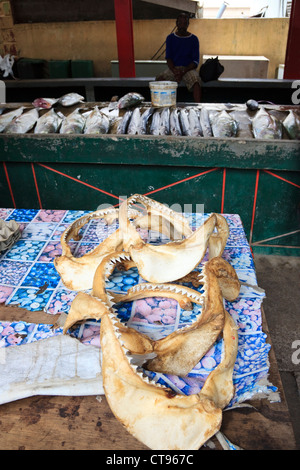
163,93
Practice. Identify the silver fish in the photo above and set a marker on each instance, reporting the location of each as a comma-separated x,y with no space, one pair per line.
175,128
205,123
266,126
73,124
96,123
45,103
155,123
194,120
130,99
223,125
184,121
70,98
23,123
165,122
145,119
134,124
292,125
123,124
6,119
48,123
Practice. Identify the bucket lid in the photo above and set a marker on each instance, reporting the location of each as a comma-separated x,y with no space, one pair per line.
163,84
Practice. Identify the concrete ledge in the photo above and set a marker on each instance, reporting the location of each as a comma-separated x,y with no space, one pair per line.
144,81
236,90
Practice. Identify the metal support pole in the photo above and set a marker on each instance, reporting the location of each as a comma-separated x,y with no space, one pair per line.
124,29
292,57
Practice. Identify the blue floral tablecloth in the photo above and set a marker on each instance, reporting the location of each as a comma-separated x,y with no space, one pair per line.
29,279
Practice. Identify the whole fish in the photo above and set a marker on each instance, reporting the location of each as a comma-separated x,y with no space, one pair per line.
165,122
266,126
155,123
145,119
45,103
184,121
205,123
223,125
23,123
175,128
123,124
130,99
73,124
48,123
70,98
194,121
134,124
7,118
292,125
96,123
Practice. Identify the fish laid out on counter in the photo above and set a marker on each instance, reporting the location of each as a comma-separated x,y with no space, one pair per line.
48,123
131,115
7,118
66,100
73,124
23,123
292,125
129,100
44,103
223,125
266,126
96,122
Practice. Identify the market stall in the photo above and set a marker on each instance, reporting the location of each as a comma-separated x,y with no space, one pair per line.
220,174
55,398
257,178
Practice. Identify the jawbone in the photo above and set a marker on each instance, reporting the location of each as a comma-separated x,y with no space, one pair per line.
173,260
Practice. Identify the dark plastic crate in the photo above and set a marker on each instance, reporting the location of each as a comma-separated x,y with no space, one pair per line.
82,68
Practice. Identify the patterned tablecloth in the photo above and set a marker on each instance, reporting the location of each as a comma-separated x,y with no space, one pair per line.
29,279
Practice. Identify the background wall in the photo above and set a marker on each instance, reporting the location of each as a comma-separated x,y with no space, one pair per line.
96,40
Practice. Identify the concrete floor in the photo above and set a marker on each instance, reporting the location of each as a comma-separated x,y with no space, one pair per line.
279,276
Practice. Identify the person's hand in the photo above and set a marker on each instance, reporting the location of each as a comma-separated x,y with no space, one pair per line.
178,74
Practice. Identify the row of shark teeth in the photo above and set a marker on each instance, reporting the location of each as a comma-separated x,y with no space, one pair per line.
113,261
169,288
128,356
155,205
86,218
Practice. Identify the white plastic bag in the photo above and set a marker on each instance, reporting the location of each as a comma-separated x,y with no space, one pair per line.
6,65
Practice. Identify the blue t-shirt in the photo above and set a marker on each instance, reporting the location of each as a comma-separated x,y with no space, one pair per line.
182,49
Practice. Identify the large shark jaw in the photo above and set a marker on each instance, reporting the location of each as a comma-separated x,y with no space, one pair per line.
78,273
180,351
152,414
173,260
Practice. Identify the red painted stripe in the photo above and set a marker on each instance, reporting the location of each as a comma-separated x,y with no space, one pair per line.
223,190
78,181
36,186
180,181
254,205
280,178
9,185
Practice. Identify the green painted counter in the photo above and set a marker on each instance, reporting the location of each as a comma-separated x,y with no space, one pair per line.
259,180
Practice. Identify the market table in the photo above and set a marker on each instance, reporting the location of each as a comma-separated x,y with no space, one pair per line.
33,299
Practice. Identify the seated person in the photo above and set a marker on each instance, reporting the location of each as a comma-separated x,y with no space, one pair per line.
182,55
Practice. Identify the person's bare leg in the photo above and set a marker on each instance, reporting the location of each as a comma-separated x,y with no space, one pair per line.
197,93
